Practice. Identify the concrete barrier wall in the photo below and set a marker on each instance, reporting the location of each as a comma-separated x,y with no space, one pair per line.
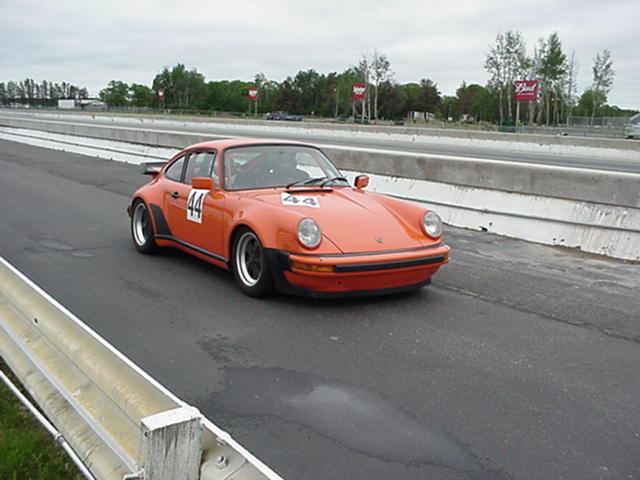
380,129
608,188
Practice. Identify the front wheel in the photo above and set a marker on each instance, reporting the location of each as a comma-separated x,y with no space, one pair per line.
142,229
250,268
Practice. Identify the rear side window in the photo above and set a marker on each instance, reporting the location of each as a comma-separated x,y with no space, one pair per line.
174,172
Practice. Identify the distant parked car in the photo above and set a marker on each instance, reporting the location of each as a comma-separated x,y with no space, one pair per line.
284,116
632,131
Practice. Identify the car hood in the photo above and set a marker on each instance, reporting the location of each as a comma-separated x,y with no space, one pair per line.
354,221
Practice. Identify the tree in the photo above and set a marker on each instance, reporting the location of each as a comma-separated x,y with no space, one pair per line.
429,99
571,84
307,85
451,108
380,73
363,70
116,94
506,62
28,88
141,95
227,96
287,97
260,81
329,95
344,83
183,89
551,68
392,100
472,100
603,74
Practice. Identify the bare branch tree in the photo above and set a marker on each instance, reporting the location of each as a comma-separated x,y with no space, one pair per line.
603,74
380,73
506,61
571,84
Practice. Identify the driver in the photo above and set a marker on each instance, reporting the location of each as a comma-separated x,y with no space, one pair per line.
288,171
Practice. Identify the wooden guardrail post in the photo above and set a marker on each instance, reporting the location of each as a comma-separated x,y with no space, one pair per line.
170,445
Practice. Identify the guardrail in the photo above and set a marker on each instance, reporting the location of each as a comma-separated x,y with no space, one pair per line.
120,422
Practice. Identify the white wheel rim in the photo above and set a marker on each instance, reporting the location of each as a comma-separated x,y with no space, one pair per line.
140,224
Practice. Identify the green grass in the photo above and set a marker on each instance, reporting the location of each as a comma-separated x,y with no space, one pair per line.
27,450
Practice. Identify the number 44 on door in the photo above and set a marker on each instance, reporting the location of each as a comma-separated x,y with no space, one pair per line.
194,204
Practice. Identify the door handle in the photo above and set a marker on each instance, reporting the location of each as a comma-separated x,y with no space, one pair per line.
175,194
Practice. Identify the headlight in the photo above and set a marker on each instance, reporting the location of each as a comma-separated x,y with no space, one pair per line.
431,224
309,233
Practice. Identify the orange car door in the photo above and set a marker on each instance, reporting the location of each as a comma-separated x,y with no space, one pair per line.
174,199
195,215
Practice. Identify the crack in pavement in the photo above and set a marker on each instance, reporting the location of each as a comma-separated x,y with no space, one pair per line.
524,309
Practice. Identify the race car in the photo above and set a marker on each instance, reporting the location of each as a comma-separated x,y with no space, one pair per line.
280,216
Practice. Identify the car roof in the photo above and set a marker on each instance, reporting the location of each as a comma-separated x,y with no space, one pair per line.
239,142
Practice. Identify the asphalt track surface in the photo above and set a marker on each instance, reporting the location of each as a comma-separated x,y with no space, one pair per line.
286,131
520,361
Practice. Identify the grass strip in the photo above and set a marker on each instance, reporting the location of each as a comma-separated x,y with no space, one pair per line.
27,450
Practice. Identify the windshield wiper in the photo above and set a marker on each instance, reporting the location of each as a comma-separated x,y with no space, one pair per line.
305,181
333,179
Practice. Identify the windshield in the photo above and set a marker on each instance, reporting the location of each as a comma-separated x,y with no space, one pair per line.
268,166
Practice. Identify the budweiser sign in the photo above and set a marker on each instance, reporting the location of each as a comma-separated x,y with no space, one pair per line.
526,90
358,91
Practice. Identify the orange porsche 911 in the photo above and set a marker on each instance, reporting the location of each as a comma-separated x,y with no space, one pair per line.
280,215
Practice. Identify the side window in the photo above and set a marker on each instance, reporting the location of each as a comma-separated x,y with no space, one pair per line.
201,164
308,164
174,172
214,169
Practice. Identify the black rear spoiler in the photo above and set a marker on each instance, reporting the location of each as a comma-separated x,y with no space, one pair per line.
151,168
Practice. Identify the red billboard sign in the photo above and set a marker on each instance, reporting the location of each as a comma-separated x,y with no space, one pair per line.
161,93
253,93
526,90
359,90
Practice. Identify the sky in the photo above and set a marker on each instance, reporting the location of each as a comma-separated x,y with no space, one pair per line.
89,43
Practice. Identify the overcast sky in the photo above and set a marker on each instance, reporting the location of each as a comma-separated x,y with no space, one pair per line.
88,43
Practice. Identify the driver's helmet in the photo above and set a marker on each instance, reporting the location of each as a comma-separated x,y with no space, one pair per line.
287,162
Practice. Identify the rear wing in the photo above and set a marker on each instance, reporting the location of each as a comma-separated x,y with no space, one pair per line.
151,168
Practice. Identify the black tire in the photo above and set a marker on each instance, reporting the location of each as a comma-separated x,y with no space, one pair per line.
142,228
249,265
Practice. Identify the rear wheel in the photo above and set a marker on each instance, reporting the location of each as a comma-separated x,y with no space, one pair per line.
250,268
142,228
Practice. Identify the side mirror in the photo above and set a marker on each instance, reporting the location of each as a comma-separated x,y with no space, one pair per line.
361,181
202,183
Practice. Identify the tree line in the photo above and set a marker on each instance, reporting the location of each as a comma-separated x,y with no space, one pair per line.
40,94
329,95
306,93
